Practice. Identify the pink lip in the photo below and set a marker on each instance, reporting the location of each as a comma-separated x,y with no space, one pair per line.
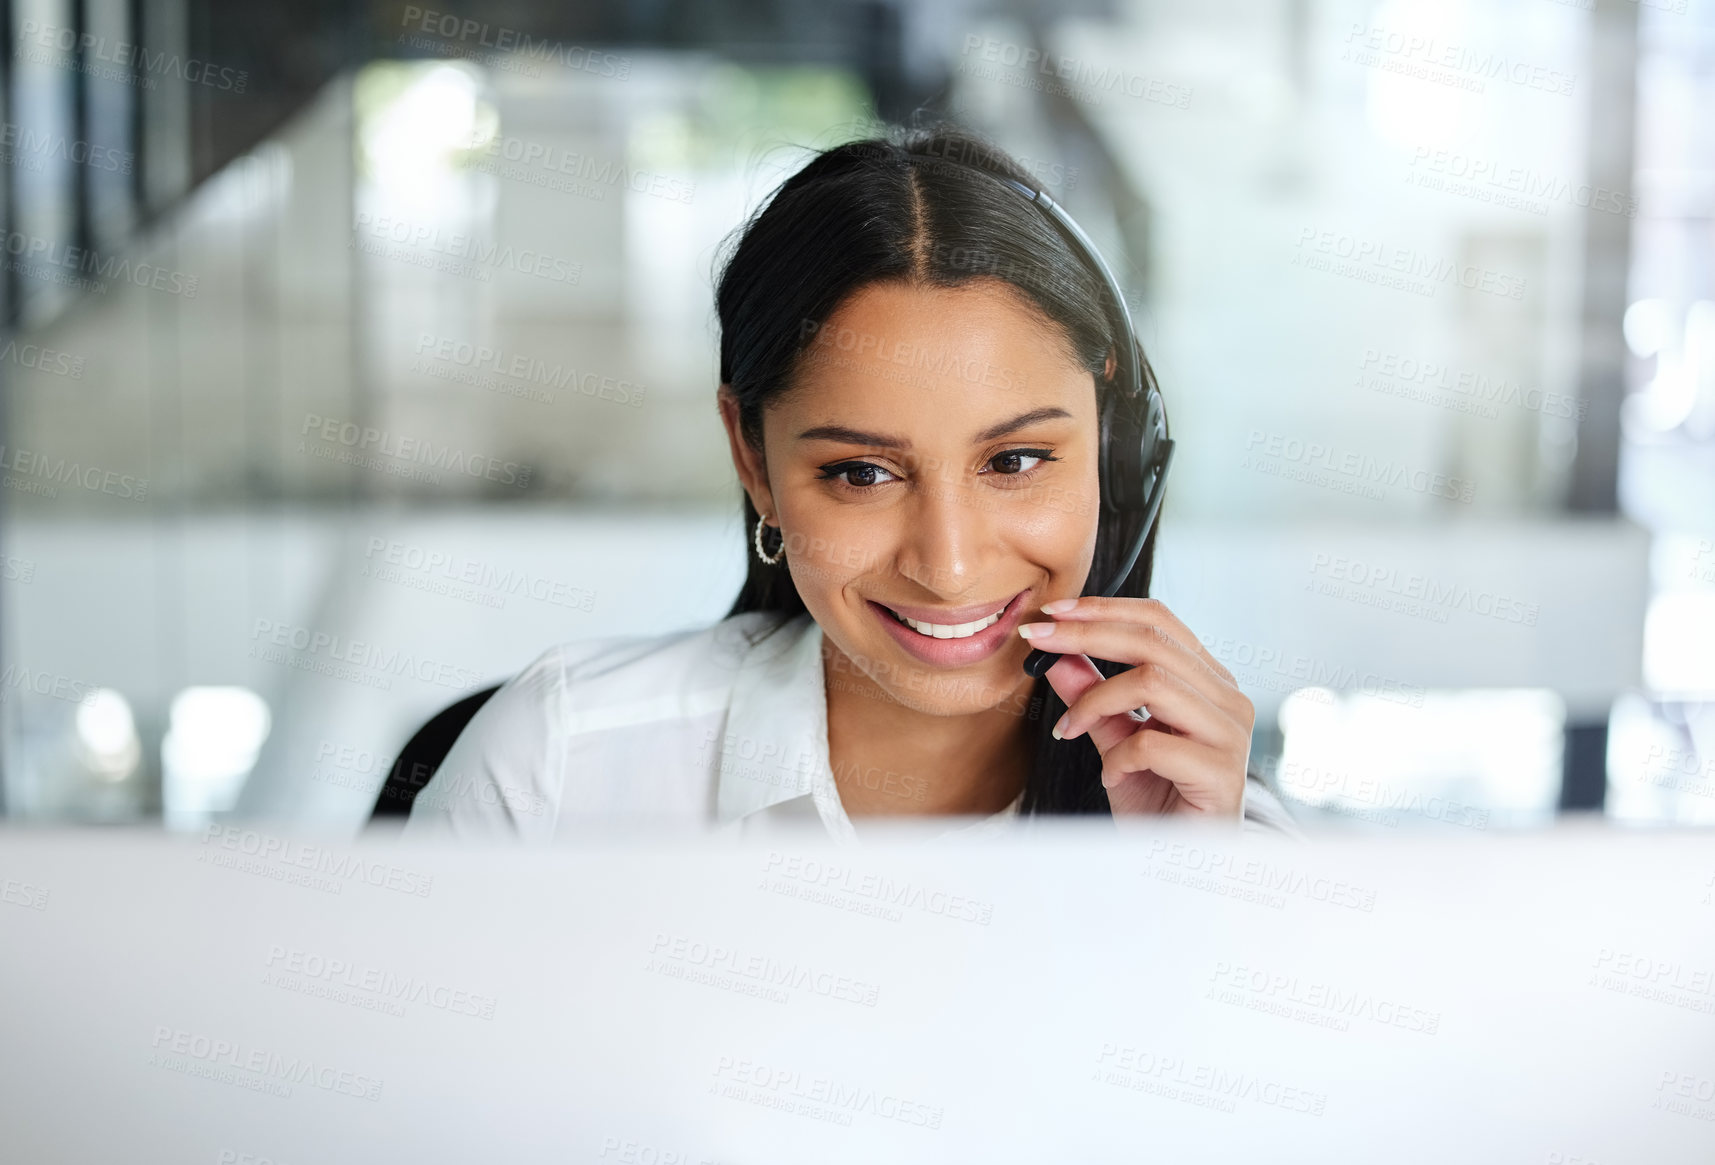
953,652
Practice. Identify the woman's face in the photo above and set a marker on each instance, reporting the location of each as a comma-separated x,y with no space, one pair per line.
936,457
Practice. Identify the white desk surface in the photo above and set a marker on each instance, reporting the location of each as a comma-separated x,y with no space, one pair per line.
1163,994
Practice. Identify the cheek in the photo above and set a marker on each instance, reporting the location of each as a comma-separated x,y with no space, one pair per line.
1061,528
1075,548
828,549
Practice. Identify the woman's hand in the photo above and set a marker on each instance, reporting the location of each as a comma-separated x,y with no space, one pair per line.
1189,754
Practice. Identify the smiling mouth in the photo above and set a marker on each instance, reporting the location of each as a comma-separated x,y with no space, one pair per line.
947,630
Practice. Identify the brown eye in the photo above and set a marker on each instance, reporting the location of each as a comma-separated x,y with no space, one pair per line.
847,473
1009,463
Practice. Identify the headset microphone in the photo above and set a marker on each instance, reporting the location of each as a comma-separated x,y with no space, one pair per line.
1135,447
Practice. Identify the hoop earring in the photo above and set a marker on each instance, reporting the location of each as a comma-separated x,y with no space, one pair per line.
761,553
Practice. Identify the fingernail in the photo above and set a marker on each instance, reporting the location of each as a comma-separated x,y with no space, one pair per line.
1059,606
1036,630
1059,724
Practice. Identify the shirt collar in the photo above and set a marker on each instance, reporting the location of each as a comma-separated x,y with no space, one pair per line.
776,745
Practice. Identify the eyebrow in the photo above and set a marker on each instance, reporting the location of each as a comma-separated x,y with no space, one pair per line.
887,441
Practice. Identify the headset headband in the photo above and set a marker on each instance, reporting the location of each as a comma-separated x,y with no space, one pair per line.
1127,354
1136,450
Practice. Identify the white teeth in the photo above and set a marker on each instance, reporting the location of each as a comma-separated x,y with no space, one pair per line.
954,631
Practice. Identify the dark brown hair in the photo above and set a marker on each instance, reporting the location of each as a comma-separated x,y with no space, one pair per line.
916,206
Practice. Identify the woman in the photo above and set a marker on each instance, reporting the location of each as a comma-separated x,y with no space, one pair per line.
912,366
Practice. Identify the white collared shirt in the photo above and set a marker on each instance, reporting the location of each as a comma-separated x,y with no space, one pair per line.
704,727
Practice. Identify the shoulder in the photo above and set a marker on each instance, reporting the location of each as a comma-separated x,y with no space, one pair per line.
505,773
618,669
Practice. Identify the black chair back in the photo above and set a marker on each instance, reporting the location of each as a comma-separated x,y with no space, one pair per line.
423,754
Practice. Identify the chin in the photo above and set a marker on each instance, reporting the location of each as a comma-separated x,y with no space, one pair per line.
1000,684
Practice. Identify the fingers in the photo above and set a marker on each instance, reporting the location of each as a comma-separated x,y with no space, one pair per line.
1138,643
1168,699
1072,676
1143,611
1190,755
1196,770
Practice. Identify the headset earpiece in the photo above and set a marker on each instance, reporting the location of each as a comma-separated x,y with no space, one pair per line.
1133,428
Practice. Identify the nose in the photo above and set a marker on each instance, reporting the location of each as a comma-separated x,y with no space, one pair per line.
949,536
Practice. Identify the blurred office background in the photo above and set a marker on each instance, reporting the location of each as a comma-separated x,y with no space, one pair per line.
353,356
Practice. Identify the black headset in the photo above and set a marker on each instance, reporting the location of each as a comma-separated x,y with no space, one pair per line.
1135,447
